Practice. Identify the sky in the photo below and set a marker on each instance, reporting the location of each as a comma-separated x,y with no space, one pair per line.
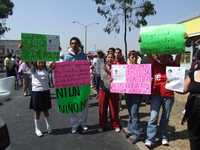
54,17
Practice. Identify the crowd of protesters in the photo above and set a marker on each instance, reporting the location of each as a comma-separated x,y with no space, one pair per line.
36,82
160,97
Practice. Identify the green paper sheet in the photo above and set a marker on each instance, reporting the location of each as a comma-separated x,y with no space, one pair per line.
72,99
163,39
35,48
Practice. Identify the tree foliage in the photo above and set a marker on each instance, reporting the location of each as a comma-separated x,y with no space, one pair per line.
6,9
113,11
133,13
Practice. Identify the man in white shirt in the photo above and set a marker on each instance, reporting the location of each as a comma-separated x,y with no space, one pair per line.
98,64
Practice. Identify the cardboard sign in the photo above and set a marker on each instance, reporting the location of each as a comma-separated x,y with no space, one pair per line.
72,73
72,99
72,82
163,39
40,47
175,78
137,79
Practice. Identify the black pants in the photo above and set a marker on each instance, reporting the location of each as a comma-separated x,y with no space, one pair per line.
10,73
194,126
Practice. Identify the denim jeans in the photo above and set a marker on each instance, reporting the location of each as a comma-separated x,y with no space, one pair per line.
133,102
156,103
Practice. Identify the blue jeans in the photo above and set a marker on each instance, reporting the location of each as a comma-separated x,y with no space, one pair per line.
156,103
133,102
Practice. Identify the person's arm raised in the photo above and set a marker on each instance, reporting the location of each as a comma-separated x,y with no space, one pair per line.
177,60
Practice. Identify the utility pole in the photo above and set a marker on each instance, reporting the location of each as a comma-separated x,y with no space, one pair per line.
85,28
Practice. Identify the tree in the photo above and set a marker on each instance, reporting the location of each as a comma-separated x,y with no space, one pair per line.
6,9
132,13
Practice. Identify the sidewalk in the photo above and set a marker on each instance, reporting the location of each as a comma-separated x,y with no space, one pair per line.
177,133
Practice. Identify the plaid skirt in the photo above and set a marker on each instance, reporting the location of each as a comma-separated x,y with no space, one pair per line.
40,100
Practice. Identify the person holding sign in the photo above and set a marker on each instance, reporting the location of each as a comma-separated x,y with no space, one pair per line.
192,114
40,97
76,53
108,99
133,103
119,59
160,97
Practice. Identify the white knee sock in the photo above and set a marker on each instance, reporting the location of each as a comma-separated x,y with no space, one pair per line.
47,122
37,128
36,124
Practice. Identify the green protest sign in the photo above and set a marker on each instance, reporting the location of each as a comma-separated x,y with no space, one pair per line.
40,47
72,99
163,39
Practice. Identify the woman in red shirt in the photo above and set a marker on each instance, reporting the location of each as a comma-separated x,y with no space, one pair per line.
108,99
160,97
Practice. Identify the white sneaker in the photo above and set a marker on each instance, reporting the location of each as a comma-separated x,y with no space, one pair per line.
85,128
148,144
165,142
25,94
117,129
74,131
38,133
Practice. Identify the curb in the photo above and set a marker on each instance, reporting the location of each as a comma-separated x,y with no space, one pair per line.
140,145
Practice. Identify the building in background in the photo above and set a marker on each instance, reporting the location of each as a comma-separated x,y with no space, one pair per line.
11,46
193,42
7,46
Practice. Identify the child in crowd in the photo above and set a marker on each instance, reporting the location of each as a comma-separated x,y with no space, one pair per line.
108,99
40,97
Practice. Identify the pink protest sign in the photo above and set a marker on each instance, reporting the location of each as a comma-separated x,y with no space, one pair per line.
72,73
131,79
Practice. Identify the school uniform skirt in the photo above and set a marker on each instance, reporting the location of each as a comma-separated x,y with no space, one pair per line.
40,100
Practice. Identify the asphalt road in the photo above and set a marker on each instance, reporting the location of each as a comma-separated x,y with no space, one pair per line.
19,119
